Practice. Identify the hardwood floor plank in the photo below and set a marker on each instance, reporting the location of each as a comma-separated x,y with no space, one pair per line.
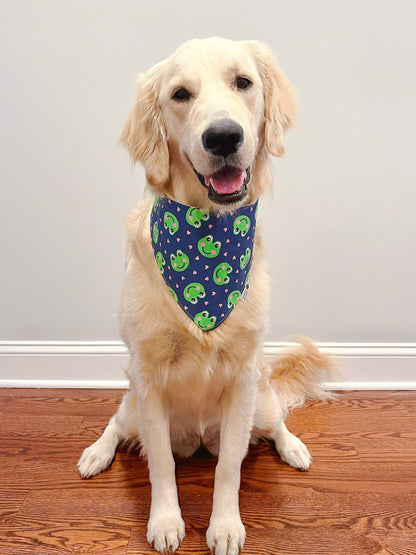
125,505
65,402
16,426
10,504
53,535
320,541
387,450
33,464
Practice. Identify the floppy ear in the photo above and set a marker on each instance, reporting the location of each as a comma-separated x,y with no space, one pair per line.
144,133
279,98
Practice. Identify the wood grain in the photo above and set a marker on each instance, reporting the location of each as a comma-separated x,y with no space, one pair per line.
358,497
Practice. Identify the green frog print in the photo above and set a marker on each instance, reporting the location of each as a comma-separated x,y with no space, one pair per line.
241,225
155,232
245,258
221,272
208,247
195,217
180,261
233,298
170,222
204,320
160,261
193,292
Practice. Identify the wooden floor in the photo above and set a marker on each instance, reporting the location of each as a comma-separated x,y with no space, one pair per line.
359,497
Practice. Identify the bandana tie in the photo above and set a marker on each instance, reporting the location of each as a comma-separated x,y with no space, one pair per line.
204,257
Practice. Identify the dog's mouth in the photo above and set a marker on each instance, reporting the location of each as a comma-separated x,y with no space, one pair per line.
226,186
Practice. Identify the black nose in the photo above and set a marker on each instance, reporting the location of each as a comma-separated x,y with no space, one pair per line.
223,137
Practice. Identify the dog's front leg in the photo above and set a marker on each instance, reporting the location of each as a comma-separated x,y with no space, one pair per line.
165,529
226,533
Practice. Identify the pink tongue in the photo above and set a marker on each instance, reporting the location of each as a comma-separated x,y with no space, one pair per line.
227,182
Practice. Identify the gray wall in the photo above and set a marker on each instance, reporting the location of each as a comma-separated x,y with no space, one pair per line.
340,226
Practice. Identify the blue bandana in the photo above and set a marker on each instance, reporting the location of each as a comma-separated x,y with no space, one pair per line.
204,257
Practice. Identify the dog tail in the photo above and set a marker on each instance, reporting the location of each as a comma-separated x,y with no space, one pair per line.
297,374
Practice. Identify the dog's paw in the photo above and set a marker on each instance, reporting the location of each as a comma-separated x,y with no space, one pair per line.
165,531
295,453
225,536
95,458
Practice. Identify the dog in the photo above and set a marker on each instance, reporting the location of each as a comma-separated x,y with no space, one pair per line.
204,123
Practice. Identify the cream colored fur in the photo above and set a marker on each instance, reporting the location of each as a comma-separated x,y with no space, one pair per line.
190,387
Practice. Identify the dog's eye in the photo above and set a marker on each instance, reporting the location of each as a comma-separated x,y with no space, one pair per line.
243,83
181,95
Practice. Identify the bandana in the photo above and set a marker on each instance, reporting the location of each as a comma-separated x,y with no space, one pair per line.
204,257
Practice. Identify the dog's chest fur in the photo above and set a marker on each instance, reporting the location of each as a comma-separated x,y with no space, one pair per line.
194,413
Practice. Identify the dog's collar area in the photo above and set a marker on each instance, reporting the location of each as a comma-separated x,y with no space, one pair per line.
204,257
226,194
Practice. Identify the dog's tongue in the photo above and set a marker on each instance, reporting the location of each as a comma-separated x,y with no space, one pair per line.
226,181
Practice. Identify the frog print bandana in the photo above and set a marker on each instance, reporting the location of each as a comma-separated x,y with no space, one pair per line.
204,257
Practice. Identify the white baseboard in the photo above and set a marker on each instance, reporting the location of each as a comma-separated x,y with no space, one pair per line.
100,364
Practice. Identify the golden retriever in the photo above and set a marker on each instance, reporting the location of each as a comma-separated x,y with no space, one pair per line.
204,123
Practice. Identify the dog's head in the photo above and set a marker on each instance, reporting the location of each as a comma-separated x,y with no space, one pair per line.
204,121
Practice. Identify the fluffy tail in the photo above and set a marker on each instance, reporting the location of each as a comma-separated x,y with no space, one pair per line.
298,373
